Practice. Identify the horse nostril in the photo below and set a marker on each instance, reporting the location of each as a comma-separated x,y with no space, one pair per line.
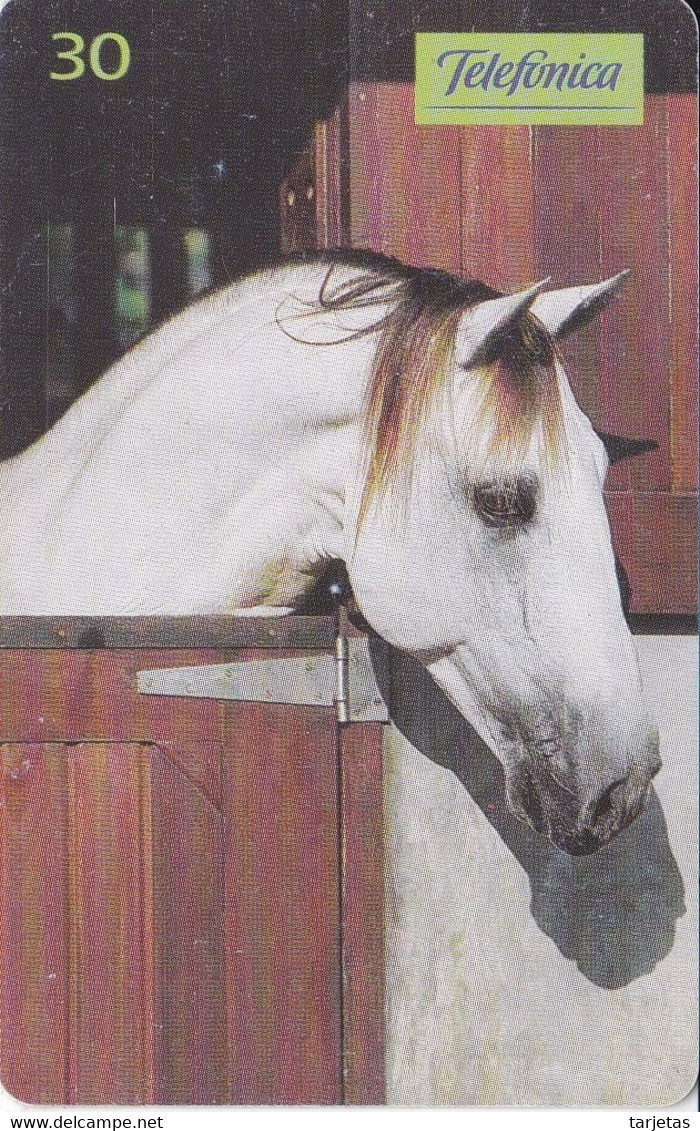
606,801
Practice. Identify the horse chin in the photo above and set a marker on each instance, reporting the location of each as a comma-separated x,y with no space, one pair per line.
548,820
574,843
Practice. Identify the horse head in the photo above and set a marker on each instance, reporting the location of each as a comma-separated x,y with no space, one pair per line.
481,545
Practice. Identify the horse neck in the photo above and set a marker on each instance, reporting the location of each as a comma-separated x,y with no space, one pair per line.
281,394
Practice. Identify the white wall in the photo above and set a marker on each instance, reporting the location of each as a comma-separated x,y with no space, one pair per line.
517,975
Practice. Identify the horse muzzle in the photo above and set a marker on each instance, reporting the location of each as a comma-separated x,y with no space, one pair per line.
579,820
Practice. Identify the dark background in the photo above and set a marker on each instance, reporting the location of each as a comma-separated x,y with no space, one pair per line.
199,134
106,188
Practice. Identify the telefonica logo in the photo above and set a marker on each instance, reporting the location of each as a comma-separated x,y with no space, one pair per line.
513,79
533,69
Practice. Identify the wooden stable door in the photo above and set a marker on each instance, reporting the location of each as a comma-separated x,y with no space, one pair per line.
514,205
191,888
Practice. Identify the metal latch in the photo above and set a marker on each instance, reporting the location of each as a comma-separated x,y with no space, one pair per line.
346,681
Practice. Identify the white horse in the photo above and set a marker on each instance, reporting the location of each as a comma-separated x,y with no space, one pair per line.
417,427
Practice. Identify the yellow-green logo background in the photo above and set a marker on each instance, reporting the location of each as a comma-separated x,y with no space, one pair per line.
494,103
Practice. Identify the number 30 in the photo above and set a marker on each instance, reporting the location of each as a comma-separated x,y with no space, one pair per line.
74,56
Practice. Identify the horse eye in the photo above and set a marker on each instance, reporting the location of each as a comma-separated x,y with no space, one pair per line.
507,504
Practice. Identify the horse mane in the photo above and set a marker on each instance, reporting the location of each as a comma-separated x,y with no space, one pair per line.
517,387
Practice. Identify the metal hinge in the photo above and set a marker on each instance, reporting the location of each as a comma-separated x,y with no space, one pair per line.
345,681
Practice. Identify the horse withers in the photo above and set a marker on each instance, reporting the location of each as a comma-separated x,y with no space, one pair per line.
418,427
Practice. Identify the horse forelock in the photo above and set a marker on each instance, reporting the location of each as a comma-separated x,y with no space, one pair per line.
516,392
518,399
516,389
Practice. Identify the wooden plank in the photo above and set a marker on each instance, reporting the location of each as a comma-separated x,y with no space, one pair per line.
567,237
34,965
76,696
145,978
96,1005
282,896
188,886
92,633
331,180
111,925
634,384
362,877
682,172
655,537
97,698
496,204
405,181
22,686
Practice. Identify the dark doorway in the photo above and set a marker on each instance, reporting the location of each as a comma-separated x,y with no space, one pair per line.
121,200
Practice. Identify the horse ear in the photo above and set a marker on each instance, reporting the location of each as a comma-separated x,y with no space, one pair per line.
572,308
481,325
620,447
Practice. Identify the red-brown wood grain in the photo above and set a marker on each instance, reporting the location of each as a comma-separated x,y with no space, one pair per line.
112,893
330,152
683,226
172,911
282,905
655,536
404,182
362,881
190,961
110,925
496,204
34,939
634,384
568,235
73,695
